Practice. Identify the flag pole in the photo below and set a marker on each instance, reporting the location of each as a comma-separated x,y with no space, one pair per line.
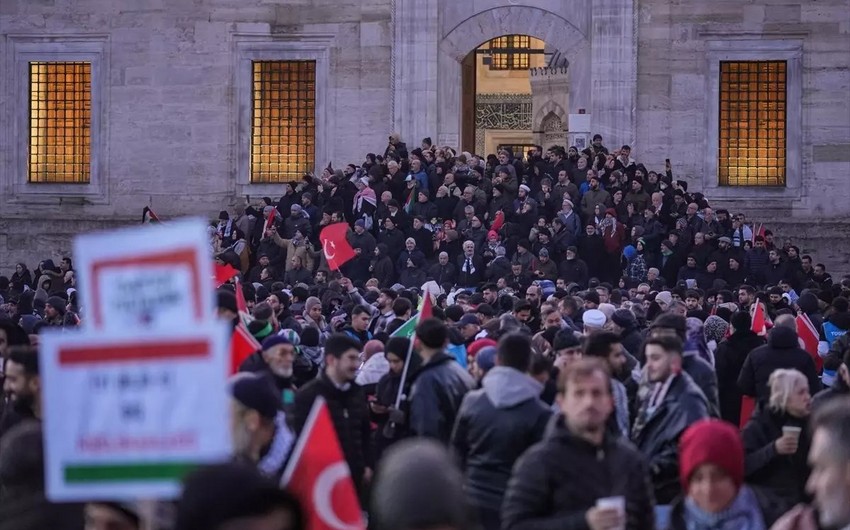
407,360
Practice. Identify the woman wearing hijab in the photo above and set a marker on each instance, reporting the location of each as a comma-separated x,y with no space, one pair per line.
365,202
711,468
21,279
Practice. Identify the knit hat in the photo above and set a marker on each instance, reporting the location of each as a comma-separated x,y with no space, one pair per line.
360,222
593,318
664,296
611,211
715,328
310,337
57,303
624,318
629,252
564,340
260,329
711,442
486,358
256,392
544,253
607,310
275,340
478,345
670,321
492,234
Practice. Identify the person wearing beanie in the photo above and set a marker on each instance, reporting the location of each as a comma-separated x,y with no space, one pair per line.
508,401
234,495
624,323
558,481
775,458
56,313
276,361
729,359
711,470
672,404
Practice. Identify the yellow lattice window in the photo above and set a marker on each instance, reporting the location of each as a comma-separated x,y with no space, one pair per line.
510,52
751,147
60,123
283,120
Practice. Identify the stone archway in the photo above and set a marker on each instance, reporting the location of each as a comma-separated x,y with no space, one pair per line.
569,35
432,38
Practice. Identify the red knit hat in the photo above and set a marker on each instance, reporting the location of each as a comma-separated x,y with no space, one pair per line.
476,346
711,442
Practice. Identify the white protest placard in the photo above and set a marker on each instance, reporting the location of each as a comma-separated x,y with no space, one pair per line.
148,277
128,415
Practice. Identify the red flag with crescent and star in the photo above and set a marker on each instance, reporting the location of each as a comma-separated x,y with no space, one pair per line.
335,246
318,476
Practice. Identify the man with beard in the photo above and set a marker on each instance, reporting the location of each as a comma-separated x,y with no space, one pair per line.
258,426
276,360
558,482
672,405
22,385
346,404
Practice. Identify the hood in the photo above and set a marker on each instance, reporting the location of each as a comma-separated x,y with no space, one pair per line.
507,387
782,338
808,303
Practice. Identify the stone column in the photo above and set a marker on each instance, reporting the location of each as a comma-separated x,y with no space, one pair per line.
614,71
415,84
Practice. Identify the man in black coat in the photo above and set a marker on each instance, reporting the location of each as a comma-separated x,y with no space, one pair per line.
728,361
439,386
470,266
781,351
673,404
346,404
509,401
557,483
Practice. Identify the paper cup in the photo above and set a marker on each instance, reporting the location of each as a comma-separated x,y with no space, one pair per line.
617,503
792,431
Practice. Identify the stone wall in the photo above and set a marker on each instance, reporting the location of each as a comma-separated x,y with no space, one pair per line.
171,111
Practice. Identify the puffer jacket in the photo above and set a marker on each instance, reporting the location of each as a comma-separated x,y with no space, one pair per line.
435,397
784,476
781,351
657,434
507,402
556,481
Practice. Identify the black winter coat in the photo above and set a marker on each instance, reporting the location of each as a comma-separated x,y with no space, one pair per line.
728,361
350,416
657,435
784,476
556,481
781,351
508,402
436,395
705,378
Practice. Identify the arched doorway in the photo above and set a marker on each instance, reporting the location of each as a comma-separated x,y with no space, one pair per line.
497,94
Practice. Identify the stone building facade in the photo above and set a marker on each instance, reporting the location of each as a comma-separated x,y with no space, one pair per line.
171,96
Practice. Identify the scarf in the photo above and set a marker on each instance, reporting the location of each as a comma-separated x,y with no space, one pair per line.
366,194
743,514
272,463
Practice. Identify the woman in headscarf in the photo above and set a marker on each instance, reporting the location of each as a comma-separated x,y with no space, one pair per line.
776,439
314,318
695,343
21,279
715,331
711,469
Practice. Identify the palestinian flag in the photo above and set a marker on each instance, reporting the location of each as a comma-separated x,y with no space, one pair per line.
408,204
409,328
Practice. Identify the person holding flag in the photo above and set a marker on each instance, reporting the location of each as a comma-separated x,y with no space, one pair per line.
346,404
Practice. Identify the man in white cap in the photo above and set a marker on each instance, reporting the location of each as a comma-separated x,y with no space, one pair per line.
593,320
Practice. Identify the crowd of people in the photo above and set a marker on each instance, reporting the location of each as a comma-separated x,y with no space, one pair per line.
589,347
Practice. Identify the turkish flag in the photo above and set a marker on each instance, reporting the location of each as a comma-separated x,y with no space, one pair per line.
759,326
335,246
270,220
242,346
809,335
318,476
241,304
223,273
